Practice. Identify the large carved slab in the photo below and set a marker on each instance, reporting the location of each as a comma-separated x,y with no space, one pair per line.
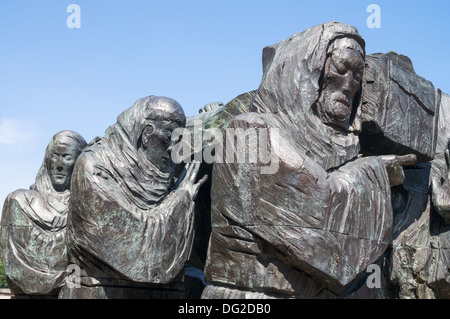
212,120
440,186
421,237
400,109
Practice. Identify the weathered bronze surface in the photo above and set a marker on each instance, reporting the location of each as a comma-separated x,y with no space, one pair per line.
33,227
312,228
130,227
337,165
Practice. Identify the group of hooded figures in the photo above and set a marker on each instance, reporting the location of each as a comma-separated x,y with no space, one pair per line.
131,222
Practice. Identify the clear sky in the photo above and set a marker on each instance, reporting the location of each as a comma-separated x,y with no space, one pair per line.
54,78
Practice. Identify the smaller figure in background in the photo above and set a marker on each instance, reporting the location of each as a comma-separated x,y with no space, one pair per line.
32,236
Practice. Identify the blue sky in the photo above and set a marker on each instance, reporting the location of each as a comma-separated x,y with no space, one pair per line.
54,78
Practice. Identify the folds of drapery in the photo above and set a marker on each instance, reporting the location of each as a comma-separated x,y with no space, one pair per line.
269,228
126,220
33,254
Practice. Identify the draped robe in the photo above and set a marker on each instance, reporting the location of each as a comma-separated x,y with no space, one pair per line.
33,234
128,227
312,228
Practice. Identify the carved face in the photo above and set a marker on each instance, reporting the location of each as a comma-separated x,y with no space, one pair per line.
62,158
342,80
157,143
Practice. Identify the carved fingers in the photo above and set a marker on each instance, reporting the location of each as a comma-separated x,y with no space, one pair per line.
394,167
190,177
198,185
406,160
59,221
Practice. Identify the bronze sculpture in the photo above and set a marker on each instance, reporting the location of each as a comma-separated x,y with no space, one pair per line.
346,194
33,248
130,227
312,228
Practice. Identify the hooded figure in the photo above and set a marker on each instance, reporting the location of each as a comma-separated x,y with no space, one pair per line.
33,225
130,229
298,88
311,228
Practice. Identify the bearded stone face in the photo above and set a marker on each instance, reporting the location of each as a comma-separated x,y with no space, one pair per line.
342,80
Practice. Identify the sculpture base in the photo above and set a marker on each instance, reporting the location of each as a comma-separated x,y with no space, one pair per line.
101,288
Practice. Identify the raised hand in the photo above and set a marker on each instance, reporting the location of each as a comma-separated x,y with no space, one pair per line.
394,168
59,221
188,182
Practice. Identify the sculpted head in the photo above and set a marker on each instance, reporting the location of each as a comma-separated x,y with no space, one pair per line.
163,115
342,78
61,155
